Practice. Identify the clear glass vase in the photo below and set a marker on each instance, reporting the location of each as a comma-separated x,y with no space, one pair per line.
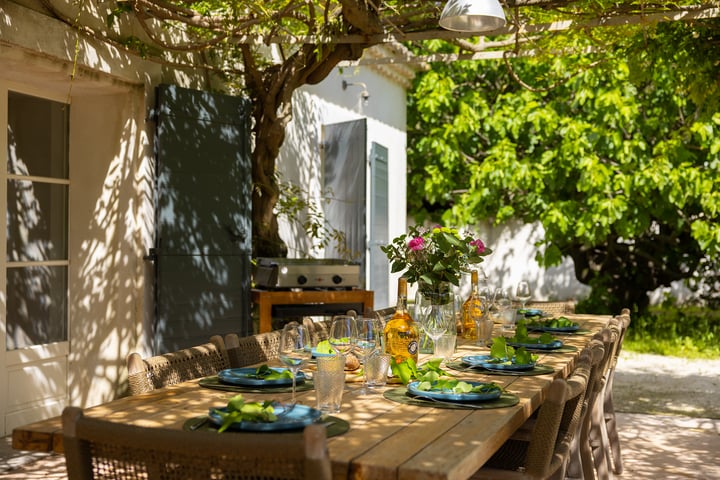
434,303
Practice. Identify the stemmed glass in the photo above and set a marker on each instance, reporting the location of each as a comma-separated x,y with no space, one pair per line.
522,293
436,324
366,340
342,334
295,349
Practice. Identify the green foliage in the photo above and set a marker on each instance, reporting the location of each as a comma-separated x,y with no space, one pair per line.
433,256
691,332
298,208
408,370
615,153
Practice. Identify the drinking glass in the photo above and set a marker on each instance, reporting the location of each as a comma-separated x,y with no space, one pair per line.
436,324
522,293
502,309
329,382
484,328
295,349
366,339
445,346
501,299
342,334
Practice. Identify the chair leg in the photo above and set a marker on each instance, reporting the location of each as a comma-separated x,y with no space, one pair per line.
586,456
613,438
574,468
599,447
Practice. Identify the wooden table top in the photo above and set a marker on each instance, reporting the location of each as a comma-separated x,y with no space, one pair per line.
386,440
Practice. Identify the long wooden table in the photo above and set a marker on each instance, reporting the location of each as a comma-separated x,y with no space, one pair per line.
386,440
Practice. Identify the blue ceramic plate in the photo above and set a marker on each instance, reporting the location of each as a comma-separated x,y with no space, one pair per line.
316,354
489,363
554,345
533,312
451,396
542,328
299,416
243,376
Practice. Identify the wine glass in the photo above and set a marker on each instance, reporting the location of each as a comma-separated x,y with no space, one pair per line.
366,340
522,293
435,324
295,349
342,334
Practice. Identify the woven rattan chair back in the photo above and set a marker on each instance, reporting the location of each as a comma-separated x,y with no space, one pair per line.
145,375
545,454
319,329
252,349
264,347
553,308
99,449
587,461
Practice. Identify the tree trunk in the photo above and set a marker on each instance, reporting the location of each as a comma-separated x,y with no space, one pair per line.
271,90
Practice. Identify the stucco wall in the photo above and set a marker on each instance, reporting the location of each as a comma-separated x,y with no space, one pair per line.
111,213
110,203
300,158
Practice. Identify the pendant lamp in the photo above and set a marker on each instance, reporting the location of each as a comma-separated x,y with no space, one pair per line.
472,15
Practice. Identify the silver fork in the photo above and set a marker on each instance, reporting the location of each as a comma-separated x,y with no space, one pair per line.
443,402
288,407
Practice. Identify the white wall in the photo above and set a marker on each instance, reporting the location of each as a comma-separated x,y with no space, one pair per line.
513,259
300,158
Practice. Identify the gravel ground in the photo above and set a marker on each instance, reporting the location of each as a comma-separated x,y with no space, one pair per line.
656,384
669,424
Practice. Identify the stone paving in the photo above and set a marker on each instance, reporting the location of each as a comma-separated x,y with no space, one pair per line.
668,420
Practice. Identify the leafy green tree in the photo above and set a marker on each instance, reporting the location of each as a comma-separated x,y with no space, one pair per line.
615,151
267,49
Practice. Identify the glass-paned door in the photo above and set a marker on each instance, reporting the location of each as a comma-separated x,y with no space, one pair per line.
35,311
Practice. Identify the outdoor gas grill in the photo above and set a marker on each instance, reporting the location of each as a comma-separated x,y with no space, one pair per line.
303,273
287,287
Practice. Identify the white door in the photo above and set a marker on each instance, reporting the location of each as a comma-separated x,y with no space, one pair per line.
34,252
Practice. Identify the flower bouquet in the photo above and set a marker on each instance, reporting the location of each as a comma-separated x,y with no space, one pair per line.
435,259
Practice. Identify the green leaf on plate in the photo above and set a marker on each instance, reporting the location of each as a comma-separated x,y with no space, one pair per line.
239,410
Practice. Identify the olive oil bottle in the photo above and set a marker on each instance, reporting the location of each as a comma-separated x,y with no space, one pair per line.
472,308
401,333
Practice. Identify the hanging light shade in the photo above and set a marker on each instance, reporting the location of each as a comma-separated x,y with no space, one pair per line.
472,15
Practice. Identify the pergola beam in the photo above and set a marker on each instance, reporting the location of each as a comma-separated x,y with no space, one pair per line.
676,14
486,54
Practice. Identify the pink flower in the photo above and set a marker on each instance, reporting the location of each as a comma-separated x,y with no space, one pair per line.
416,243
479,245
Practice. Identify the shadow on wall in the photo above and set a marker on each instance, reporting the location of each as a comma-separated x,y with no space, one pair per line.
513,259
299,162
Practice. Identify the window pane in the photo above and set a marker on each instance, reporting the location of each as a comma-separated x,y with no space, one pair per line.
37,136
37,221
36,306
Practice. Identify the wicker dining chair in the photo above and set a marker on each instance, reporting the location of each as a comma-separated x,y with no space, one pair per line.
553,308
597,434
101,449
614,452
147,374
589,460
252,349
264,347
581,463
543,452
